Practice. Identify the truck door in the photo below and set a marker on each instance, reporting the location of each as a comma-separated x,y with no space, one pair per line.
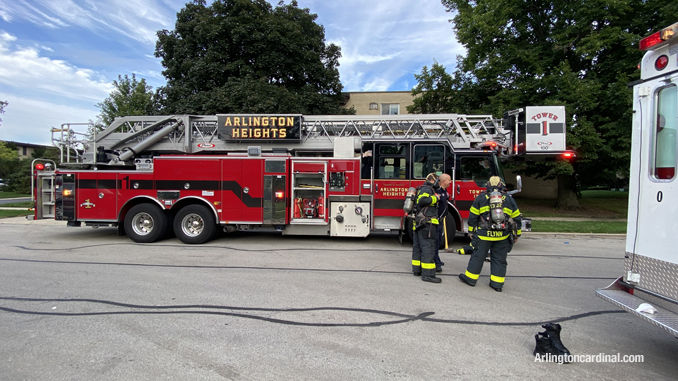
658,192
391,178
96,196
471,176
242,190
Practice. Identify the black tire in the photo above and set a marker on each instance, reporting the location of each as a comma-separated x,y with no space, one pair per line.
145,223
451,226
195,224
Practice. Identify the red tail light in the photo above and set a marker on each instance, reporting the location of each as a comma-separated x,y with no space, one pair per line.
279,194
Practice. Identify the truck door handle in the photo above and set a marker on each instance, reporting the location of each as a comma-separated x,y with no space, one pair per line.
458,188
376,187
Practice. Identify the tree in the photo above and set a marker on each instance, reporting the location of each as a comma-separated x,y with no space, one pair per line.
434,91
129,98
244,56
580,54
2,107
9,161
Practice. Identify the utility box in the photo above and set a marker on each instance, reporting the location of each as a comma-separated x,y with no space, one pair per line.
350,219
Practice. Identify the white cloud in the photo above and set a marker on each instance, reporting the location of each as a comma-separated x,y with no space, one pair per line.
29,120
383,41
4,36
23,68
137,20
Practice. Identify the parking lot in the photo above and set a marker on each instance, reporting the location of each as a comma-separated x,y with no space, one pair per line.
82,303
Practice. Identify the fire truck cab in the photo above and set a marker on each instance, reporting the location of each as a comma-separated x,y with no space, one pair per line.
649,285
331,175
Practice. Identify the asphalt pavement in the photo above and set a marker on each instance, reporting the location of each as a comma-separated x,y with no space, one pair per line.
83,303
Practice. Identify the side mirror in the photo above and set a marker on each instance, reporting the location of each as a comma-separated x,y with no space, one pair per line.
519,182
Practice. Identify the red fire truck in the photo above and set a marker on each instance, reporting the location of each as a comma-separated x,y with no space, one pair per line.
302,175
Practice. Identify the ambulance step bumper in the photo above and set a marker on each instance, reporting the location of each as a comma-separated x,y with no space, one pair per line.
619,294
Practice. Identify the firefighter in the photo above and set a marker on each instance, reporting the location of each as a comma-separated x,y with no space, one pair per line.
443,181
494,217
468,249
425,230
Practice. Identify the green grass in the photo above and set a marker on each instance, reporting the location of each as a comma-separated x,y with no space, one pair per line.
12,195
601,227
14,213
25,204
597,204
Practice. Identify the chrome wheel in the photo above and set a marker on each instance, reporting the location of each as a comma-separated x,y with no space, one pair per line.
192,225
142,224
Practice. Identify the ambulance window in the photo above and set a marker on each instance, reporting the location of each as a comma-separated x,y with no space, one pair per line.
428,159
666,126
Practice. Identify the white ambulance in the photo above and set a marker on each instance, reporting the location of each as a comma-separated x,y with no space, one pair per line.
649,286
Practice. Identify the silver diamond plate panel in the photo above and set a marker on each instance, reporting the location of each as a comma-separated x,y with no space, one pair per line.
657,276
663,318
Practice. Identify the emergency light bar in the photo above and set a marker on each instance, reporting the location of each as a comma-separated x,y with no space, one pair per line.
660,38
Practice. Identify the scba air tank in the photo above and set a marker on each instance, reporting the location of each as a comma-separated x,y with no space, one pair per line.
409,200
497,210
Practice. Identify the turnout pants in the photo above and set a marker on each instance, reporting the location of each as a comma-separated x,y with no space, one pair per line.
498,262
423,251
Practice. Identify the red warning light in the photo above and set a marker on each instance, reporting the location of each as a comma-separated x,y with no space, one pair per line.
661,62
279,194
39,167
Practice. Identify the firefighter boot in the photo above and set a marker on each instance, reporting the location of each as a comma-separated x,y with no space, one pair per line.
431,279
467,280
553,331
543,348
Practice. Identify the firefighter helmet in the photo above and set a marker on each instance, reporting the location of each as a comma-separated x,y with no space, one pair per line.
496,182
433,180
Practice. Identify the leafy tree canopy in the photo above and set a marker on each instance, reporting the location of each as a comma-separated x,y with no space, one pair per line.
247,56
581,54
129,98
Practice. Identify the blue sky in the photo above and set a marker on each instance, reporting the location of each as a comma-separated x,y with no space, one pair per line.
58,58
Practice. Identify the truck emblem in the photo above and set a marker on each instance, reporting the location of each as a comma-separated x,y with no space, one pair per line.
87,204
545,143
206,145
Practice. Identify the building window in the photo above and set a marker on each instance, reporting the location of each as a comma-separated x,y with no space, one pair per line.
666,130
25,150
390,109
374,106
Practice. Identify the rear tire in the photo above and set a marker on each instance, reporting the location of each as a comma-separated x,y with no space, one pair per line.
145,223
195,224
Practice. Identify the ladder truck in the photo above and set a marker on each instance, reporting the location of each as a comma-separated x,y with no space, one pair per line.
332,175
649,285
